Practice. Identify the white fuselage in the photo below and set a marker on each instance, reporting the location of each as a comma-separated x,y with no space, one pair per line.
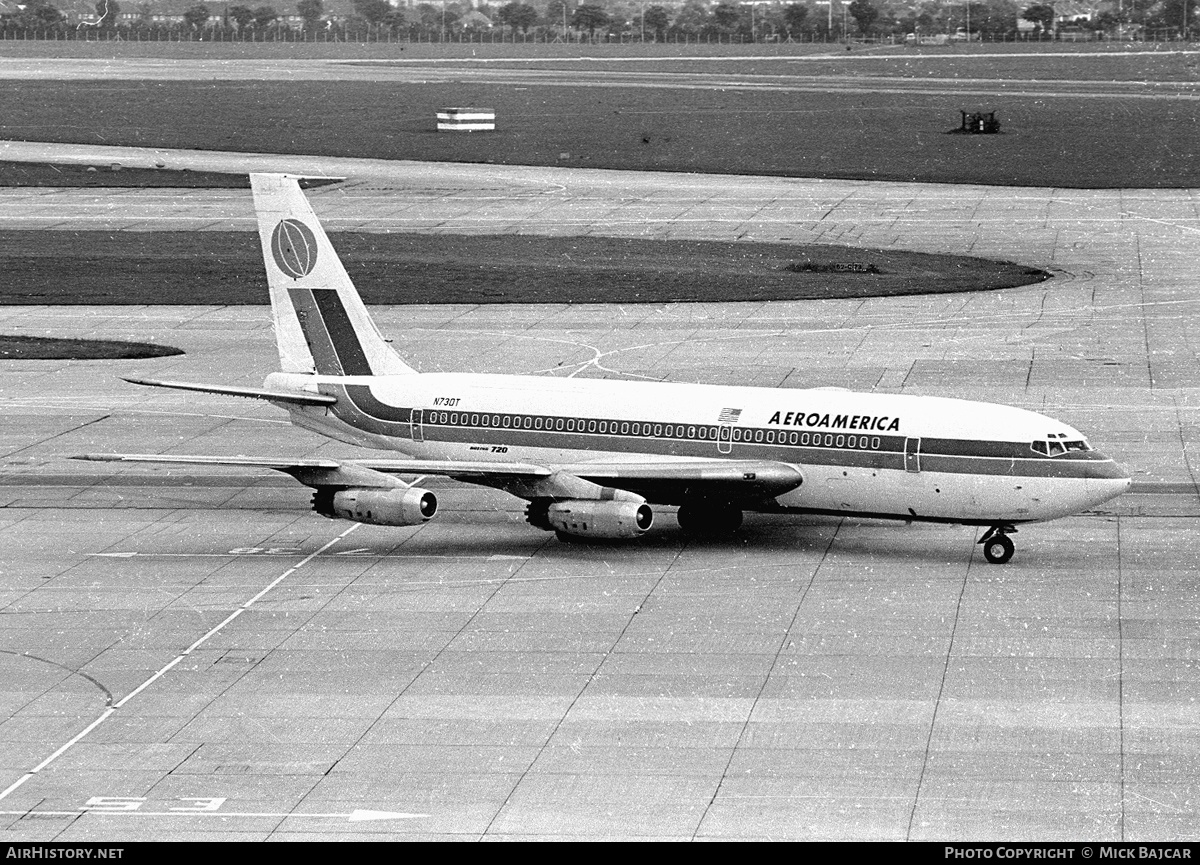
886,455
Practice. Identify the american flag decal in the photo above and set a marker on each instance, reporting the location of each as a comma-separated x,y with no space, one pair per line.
729,415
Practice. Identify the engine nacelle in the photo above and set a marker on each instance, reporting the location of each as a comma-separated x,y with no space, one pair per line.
600,519
378,507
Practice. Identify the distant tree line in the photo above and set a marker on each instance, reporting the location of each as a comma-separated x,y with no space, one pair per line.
624,20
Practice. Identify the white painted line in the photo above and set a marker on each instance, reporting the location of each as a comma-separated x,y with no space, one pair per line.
111,709
42,765
356,816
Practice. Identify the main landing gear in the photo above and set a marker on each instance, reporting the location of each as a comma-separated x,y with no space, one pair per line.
700,518
997,546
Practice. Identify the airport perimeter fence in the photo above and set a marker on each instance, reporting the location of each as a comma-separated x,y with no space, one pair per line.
496,36
384,35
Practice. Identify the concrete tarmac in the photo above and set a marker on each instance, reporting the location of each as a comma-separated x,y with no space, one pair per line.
196,655
871,71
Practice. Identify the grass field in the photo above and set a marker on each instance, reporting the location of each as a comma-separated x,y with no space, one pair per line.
115,175
225,268
54,348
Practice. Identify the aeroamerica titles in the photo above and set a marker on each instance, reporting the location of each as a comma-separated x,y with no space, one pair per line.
817,420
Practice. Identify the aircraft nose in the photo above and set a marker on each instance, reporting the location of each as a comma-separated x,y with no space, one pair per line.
1105,469
1106,480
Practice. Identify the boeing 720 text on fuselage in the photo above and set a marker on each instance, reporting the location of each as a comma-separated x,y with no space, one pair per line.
593,458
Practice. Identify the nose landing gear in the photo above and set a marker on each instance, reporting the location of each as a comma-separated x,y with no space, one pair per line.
998,548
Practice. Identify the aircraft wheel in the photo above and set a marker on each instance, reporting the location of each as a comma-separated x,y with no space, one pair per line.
728,520
998,549
690,518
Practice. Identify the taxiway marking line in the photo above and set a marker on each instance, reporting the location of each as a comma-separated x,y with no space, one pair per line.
42,765
212,632
355,816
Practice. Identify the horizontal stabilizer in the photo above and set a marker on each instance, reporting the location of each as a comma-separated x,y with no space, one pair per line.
280,396
186,459
393,467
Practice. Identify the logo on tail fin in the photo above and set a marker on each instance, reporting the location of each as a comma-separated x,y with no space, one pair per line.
294,247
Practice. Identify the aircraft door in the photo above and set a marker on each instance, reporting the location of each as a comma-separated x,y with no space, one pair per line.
912,454
418,433
724,438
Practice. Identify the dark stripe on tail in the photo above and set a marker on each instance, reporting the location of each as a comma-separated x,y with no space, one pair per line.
330,334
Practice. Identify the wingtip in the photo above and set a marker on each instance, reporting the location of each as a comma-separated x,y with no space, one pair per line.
265,179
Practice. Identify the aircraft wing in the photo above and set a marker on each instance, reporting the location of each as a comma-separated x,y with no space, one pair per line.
661,482
672,482
278,396
665,482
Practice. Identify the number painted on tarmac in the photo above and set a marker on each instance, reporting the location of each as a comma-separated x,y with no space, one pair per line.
114,803
209,803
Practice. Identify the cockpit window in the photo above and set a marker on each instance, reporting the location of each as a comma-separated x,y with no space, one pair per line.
1056,444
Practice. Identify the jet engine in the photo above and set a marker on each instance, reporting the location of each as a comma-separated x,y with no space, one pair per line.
600,519
380,507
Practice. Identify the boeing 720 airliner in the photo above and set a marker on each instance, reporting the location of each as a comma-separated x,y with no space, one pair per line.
594,457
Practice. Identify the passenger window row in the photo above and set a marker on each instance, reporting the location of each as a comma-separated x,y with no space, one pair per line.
651,430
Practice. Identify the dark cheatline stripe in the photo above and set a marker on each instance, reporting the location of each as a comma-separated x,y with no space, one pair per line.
358,407
361,408
371,407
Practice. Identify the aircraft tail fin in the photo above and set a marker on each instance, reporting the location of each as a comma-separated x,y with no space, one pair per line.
321,324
